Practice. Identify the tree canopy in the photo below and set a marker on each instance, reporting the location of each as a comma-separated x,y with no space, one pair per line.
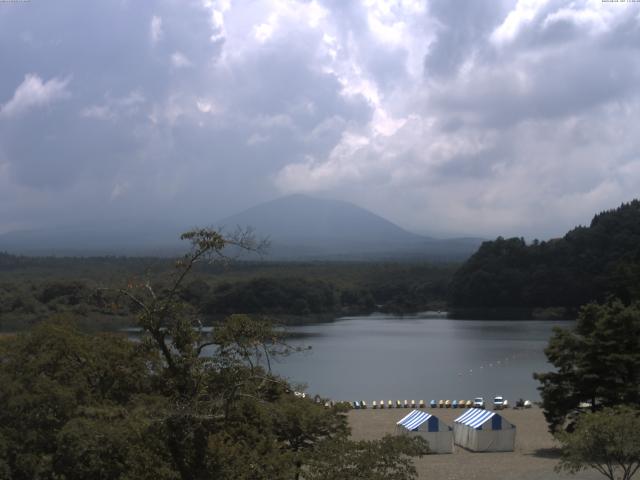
607,441
597,363
587,264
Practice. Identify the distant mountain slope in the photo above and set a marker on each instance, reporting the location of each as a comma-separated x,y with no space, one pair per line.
587,264
313,220
300,226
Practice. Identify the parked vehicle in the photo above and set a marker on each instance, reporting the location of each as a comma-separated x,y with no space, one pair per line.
498,403
478,402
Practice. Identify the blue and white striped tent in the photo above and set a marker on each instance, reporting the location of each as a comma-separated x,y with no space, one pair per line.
484,431
438,434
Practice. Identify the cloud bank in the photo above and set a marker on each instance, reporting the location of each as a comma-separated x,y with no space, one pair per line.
492,118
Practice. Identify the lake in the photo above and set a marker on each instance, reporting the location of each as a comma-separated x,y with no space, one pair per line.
423,356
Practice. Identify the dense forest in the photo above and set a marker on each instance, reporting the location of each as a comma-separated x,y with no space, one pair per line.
553,278
34,288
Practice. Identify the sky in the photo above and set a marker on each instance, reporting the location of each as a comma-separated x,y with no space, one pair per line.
483,117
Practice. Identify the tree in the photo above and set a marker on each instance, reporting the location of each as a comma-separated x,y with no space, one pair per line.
587,264
72,402
305,426
386,459
597,364
186,402
607,441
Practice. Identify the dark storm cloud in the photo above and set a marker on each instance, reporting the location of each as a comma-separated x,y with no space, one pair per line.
462,31
154,113
444,117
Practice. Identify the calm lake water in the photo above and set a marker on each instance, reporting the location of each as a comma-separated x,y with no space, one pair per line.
419,357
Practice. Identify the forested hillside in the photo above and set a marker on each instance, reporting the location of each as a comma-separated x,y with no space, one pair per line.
587,264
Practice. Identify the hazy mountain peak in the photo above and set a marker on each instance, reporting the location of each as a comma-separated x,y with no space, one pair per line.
302,218
299,227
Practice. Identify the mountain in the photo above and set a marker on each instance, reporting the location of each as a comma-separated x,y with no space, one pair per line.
313,221
299,227
304,227
587,264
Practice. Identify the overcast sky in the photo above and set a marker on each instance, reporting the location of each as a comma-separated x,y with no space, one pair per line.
494,117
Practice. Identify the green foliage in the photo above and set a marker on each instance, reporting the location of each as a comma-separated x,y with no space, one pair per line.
35,288
111,443
274,296
597,363
387,459
587,264
55,380
607,441
183,403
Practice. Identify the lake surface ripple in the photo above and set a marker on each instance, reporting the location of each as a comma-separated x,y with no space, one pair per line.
417,357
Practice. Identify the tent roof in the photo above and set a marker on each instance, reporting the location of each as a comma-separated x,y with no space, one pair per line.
414,419
475,417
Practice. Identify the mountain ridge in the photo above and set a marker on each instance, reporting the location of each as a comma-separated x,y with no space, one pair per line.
300,227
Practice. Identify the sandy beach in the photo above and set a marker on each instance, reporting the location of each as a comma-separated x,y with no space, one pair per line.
534,457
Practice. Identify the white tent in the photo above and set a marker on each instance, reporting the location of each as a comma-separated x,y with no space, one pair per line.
438,434
484,431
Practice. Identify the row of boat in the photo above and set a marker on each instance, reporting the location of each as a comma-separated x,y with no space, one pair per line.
413,404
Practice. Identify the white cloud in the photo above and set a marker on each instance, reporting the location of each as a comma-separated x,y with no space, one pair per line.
207,106
155,29
263,32
179,60
32,93
101,112
523,14
119,189
257,138
114,108
217,10
341,166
